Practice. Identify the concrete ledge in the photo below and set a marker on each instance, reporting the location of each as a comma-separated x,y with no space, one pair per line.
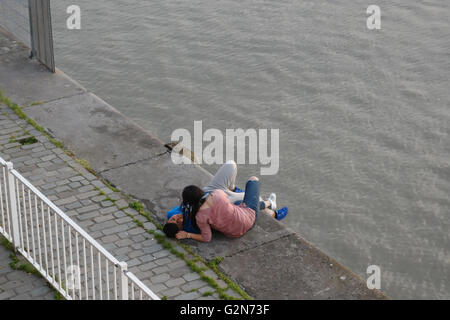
291,268
270,261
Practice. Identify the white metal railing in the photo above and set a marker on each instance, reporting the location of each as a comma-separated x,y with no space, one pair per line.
69,259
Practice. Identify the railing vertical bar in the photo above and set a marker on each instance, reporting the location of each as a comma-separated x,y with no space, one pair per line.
51,242
93,273
132,290
107,278
64,255
45,237
85,270
71,261
100,275
32,225
38,232
26,219
16,183
57,251
115,282
78,264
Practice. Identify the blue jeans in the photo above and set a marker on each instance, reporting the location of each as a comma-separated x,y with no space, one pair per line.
251,197
262,204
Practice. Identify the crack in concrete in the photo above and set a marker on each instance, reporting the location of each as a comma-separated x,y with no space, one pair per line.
134,162
53,100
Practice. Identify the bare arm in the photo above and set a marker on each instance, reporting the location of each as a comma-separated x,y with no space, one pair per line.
188,235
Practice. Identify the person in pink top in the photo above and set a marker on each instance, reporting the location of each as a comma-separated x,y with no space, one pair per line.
214,210
238,218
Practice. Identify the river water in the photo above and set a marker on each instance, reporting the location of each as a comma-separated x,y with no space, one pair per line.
364,115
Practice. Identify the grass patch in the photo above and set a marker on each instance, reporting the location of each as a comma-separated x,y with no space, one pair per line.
139,207
36,103
26,141
215,262
23,141
100,192
84,163
16,264
4,242
110,186
58,295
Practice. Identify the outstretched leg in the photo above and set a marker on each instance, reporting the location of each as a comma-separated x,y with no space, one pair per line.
251,197
225,179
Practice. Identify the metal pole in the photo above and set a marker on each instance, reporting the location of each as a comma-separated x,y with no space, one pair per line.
33,50
13,207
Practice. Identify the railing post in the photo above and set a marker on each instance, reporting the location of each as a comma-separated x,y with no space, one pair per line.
123,281
41,32
30,19
13,207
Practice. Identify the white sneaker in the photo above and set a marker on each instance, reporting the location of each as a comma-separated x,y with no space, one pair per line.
273,201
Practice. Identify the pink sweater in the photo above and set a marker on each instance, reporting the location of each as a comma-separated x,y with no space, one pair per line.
233,221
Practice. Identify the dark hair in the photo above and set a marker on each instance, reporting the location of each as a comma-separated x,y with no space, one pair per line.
170,229
191,203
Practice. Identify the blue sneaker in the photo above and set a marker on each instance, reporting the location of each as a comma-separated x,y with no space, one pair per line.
280,214
237,190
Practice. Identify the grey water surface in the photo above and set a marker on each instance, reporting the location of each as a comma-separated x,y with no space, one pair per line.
364,115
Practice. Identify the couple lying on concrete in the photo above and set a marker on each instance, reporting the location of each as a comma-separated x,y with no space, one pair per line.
220,206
